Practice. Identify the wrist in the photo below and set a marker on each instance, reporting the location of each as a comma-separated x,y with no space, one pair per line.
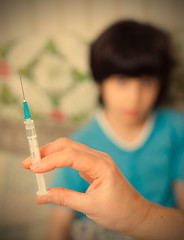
141,209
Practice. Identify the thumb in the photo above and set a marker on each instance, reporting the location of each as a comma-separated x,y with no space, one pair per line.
67,198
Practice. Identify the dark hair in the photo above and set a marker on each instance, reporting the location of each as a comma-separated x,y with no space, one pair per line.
133,49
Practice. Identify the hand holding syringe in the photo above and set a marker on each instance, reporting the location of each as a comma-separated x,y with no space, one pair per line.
33,143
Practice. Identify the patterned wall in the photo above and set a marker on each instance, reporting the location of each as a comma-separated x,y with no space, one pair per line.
48,42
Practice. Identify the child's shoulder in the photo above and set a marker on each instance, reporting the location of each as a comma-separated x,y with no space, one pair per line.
171,117
170,114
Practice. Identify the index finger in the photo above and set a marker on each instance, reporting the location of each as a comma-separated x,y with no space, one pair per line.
56,146
61,144
76,159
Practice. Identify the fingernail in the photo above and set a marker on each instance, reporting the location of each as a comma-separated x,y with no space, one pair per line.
35,166
27,160
44,199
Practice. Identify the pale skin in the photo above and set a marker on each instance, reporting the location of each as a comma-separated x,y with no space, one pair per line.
128,102
60,224
111,201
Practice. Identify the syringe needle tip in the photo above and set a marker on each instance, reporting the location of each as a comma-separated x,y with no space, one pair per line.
22,86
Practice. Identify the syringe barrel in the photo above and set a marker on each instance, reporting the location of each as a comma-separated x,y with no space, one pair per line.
35,153
32,139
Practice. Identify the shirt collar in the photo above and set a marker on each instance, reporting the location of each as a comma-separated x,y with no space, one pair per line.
117,140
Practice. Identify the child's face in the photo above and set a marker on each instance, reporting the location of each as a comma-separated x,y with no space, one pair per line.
129,98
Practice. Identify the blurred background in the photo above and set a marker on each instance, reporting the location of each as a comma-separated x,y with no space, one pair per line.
47,41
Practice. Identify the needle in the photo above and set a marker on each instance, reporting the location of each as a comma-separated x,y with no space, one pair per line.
22,86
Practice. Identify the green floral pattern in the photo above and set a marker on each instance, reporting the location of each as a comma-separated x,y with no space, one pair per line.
56,89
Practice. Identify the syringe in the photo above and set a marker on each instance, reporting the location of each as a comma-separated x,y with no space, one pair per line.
33,143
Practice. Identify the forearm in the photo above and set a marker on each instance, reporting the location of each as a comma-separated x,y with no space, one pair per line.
161,223
60,224
59,232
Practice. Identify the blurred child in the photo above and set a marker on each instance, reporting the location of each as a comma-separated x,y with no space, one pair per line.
131,63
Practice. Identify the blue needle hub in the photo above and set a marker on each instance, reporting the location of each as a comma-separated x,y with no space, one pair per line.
27,114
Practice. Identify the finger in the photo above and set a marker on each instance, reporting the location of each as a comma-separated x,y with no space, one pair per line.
27,163
53,147
81,161
86,177
58,145
67,198
61,144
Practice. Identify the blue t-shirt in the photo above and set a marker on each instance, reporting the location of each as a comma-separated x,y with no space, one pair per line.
151,169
